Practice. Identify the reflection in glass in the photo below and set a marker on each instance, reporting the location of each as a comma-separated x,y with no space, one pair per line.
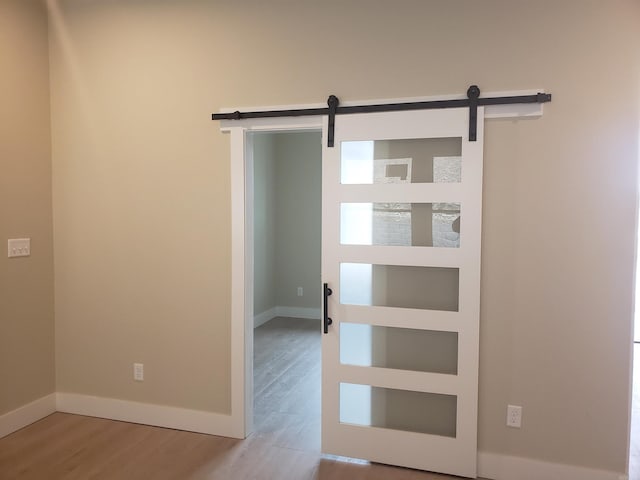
356,223
427,288
357,162
398,409
399,348
400,224
417,160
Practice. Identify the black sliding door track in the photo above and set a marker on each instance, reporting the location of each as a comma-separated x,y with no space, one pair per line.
473,101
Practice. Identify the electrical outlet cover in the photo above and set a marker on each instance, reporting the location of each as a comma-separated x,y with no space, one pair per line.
138,372
514,416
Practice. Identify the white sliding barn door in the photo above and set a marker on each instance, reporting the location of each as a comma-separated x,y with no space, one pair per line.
401,225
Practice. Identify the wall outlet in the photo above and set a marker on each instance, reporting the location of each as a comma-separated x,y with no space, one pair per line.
299,291
18,247
138,372
514,416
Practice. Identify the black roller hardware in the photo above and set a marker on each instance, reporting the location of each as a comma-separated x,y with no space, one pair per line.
473,101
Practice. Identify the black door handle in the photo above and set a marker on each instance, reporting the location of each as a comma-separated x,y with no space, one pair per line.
327,321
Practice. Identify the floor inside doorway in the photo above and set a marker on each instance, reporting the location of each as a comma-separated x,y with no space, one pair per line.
287,382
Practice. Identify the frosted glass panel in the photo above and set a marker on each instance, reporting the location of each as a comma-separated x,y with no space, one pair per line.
399,348
400,224
417,160
427,288
398,409
356,223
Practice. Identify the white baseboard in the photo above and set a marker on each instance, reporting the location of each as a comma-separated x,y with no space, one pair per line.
147,414
298,312
27,414
502,467
264,317
280,311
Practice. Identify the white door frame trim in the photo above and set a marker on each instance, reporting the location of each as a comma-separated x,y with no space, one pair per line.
242,244
241,170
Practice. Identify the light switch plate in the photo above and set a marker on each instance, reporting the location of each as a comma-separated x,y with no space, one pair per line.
19,247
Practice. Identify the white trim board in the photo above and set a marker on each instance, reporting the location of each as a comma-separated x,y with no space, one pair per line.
264,317
298,312
27,414
291,312
147,414
503,467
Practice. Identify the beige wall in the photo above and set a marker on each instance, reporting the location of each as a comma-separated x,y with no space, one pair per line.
142,209
299,159
264,223
287,217
26,284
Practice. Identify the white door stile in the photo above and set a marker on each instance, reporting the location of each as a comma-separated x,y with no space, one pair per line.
401,379
428,256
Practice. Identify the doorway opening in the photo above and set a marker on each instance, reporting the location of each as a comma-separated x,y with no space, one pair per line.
286,192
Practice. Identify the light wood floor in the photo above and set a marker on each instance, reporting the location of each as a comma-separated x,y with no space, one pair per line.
285,445
287,382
